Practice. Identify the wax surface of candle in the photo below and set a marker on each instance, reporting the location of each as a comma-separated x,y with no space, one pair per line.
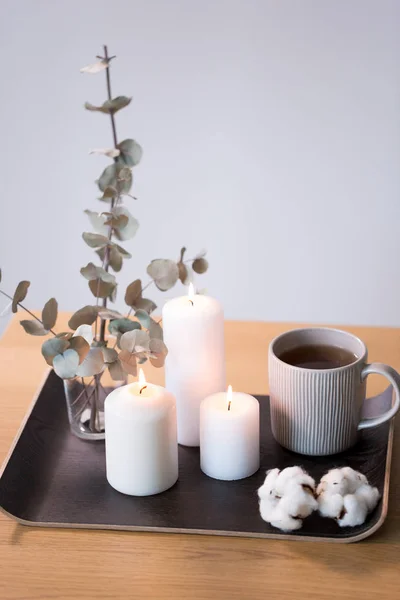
195,365
141,439
230,439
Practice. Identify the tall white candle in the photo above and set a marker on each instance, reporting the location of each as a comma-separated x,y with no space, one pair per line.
229,435
141,439
195,366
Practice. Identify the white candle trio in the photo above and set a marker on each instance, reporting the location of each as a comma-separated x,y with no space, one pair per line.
144,422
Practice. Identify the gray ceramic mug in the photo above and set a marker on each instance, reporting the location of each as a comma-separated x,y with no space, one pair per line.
318,411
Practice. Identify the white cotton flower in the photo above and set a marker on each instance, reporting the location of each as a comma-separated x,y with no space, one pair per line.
330,505
345,495
267,489
354,511
287,497
282,520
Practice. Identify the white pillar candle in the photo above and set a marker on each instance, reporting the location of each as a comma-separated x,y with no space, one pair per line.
195,366
229,435
141,439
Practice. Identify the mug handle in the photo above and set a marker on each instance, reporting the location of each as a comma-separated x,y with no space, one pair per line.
394,379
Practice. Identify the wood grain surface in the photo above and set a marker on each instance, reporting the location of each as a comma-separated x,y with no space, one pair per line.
64,564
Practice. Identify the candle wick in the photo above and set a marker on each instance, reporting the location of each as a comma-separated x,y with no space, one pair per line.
143,388
191,302
229,404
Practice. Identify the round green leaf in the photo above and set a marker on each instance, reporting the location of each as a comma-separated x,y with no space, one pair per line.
20,294
120,326
34,327
49,313
95,240
128,362
93,363
66,364
164,272
84,316
130,152
52,347
200,265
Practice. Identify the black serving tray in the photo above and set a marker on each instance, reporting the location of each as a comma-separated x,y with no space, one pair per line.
52,478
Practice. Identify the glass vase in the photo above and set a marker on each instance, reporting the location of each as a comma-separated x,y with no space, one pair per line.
85,404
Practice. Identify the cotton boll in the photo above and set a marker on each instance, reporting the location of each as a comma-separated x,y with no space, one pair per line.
286,477
267,509
334,482
330,505
267,489
282,520
355,511
298,502
354,478
370,495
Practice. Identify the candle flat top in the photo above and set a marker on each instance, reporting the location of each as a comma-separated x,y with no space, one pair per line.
240,404
128,400
187,307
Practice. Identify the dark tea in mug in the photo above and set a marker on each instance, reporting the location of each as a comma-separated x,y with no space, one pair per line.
317,357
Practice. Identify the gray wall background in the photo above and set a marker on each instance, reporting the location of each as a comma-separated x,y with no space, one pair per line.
271,136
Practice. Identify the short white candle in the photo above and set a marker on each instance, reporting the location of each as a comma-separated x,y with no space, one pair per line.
230,435
195,366
141,439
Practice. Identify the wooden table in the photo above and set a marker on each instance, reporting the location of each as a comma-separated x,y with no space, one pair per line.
78,564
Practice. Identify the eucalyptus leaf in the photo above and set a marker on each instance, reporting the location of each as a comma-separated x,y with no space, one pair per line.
93,363
144,318
128,362
116,221
64,335
155,330
200,265
84,331
108,180
91,272
120,326
126,229
95,67
164,272
113,294
130,152
117,177
124,179
109,193
109,107
52,347
95,240
110,152
145,304
20,294
101,289
122,251
34,327
183,272
98,221
108,313
110,355
116,371
49,313
115,259
135,341
66,364
133,292
158,352
84,316
80,345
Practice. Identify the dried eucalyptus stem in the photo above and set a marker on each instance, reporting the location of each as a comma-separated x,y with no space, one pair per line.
114,133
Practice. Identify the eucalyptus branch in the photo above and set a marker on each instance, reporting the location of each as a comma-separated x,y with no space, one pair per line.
26,310
106,262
